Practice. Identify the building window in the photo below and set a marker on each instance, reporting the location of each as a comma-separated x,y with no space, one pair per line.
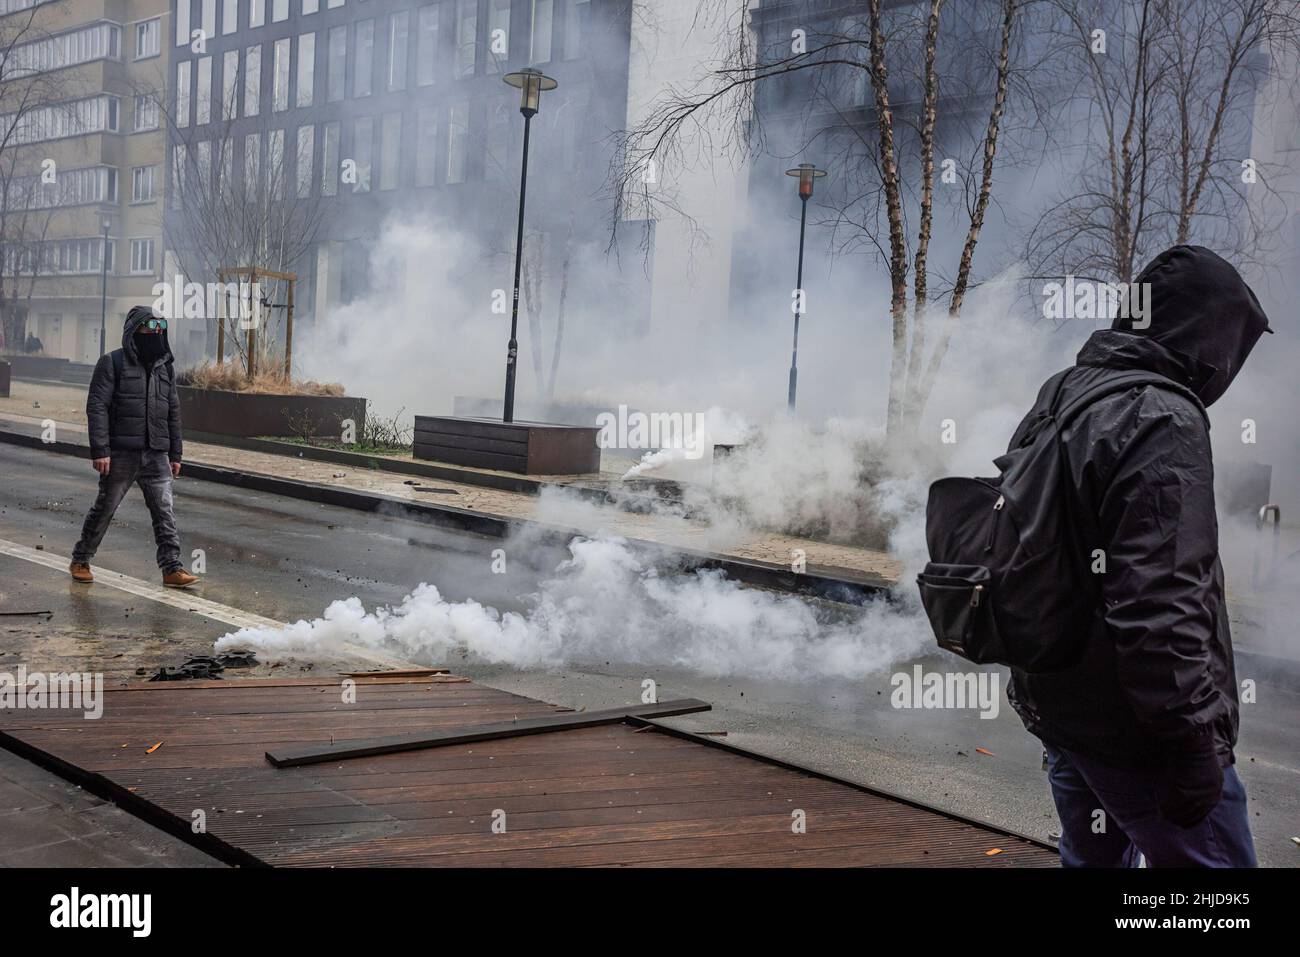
577,17
329,160
279,10
426,142
539,41
225,167
76,118
182,23
397,45
310,6
252,80
203,165
280,76
63,256
73,187
146,112
179,161
426,44
338,64
498,39
183,93
141,256
256,12
208,11
229,16
466,36
203,103
306,156
95,42
331,4
275,171
76,256
390,150
364,59
457,134
95,114
148,38
306,69
229,84
142,184
498,141
252,165
363,144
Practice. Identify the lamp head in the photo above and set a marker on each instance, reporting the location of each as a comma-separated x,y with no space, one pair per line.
807,173
531,83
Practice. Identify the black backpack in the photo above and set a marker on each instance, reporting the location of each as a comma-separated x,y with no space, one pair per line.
1009,580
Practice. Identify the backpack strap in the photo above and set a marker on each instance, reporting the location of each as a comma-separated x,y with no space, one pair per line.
1120,382
118,360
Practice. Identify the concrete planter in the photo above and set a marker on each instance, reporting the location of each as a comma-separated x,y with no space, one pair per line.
36,367
529,448
248,413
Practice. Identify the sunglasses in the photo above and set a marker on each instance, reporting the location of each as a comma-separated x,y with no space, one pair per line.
154,325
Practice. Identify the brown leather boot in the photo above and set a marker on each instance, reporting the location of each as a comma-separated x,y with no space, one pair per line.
179,579
81,573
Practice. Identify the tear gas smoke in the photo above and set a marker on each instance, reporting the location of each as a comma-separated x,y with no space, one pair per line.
604,604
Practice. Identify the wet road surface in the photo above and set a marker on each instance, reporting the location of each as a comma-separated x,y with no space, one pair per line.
286,559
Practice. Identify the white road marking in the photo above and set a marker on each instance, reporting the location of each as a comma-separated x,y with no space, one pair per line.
183,600
142,589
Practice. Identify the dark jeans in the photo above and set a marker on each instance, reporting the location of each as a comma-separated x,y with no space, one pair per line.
1129,802
153,471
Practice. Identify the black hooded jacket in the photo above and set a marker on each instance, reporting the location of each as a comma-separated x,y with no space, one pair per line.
1158,666
138,409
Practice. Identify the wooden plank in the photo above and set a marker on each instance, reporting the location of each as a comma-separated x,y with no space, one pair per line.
459,456
369,747
479,428
476,443
602,795
225,684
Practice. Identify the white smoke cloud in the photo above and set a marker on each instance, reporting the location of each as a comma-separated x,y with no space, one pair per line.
604,604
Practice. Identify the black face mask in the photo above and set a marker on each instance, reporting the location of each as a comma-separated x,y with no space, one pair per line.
149,347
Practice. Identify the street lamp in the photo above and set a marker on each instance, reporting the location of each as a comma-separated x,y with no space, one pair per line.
105,223
530,83
807,173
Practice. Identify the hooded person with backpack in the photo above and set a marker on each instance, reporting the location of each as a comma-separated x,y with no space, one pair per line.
1090,566
134,418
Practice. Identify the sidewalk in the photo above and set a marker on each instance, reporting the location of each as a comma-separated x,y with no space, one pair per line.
552,510
46,821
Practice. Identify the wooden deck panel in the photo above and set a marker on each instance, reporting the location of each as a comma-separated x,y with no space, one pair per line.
599,796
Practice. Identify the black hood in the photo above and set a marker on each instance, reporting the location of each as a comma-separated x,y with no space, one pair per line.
134,318
1203,323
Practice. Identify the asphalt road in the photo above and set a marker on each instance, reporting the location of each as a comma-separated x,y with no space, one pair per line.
286,559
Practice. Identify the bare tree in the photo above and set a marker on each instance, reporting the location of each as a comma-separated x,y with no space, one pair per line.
244,194
28,198
889,41
1163,104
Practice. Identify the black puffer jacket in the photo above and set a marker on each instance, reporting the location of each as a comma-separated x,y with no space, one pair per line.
1158,667
139,408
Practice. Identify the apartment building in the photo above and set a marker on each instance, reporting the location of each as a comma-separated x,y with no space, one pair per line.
82,171
332,115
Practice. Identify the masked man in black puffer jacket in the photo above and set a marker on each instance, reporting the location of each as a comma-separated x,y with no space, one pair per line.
134,416
1140,733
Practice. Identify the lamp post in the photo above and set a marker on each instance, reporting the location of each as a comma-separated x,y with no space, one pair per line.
807,173
530,82
103,282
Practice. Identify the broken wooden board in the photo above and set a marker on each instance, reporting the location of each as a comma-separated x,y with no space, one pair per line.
391,744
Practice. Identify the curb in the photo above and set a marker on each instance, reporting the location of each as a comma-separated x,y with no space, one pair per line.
447,473
775,577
